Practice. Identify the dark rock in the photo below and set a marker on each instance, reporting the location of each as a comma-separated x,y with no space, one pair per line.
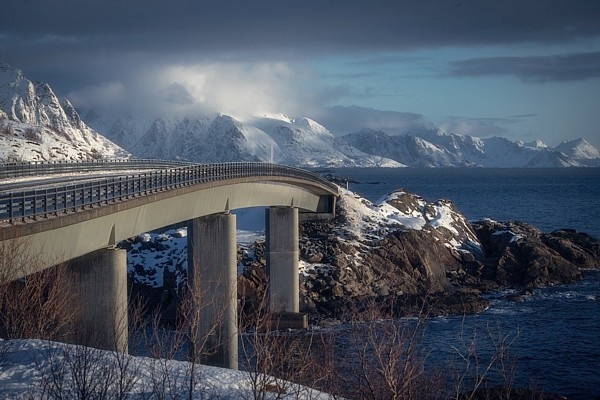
520,254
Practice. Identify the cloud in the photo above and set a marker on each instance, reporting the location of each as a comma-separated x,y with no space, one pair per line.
558,68
101,96
341,120
237,89
482,127
176,93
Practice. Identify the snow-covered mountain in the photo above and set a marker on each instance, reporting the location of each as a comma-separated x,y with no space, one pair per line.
434,148
221,138
581,151
306,143
36,126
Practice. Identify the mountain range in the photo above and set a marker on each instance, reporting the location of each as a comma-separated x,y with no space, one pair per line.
35,125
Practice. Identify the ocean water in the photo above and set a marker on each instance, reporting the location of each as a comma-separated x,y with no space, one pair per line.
553,336
550,198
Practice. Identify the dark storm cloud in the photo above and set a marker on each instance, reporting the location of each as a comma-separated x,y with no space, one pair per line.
293,25
570,67
119,51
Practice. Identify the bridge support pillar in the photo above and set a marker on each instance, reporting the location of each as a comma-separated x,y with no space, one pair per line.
282,261
99,280
212,278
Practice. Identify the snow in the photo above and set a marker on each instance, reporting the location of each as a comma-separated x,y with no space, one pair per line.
144,238
579,149
366,221
514,237
29,369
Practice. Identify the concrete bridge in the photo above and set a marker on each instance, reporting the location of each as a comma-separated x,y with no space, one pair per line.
76,213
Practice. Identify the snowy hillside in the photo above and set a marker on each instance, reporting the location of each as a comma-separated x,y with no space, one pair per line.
38,369
36,126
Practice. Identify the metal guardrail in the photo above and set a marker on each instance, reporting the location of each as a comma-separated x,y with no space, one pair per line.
30,205
21,169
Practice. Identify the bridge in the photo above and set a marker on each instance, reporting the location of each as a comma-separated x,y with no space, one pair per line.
76,213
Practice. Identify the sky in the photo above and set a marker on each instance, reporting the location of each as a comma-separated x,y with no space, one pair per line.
521,69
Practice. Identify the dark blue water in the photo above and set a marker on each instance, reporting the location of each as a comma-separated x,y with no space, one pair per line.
553,337
547,198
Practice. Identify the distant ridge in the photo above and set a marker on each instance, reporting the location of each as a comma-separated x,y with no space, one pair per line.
35,125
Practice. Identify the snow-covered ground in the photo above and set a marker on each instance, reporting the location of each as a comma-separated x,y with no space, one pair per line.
36,369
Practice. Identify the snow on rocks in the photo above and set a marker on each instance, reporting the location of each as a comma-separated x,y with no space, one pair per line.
154,257
366,221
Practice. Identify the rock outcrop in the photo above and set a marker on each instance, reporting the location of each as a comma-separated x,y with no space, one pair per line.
520,254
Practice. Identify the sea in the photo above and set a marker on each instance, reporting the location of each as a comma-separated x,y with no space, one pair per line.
551,338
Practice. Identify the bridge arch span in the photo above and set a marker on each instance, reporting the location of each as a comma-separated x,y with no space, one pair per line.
81,224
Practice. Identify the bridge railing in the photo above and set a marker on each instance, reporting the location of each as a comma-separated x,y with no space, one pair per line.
21,169
26,205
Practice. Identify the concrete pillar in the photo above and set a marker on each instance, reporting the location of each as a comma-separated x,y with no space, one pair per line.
99,281
212,276
282,259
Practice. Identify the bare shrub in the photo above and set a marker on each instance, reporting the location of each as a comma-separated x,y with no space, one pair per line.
279,364
480,374
36,305
83,372
182,341
380,357
80,372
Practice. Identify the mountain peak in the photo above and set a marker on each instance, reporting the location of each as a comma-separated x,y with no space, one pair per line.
578,149
536,144
9,75
43,127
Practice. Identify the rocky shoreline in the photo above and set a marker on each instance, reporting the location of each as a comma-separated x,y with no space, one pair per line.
436,269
